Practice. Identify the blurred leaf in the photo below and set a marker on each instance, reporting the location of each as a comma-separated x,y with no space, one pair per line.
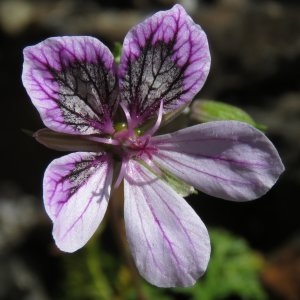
117,52
156,293
209,110
86,275
27,132
233,271
181,188
170,116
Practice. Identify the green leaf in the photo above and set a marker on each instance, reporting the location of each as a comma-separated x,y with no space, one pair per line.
117,52
209,110
87,272
233,271
181,188
27,132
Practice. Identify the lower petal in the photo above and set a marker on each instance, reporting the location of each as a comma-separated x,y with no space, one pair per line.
76,193
169,242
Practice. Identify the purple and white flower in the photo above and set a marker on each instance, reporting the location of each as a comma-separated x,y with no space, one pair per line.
108,115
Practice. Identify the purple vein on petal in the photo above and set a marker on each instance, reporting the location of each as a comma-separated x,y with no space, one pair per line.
66,178
149,247
196,167
170,244
165,237
92,198
76,193
225,160
176,238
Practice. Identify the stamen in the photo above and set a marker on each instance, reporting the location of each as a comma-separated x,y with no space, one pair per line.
156,126
108,141
130,122
126,112
121,174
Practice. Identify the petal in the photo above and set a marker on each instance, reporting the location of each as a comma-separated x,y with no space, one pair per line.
169,243
76,193
164,58
227,159
71,82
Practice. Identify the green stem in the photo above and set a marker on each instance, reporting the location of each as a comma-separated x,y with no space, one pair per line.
99,281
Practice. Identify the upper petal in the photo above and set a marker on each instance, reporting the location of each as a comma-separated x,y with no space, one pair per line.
169,243
164,58
227,159
76,193
71,81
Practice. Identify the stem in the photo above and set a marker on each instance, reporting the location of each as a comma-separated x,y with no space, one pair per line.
100,283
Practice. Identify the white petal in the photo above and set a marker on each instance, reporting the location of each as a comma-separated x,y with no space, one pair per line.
169,242
227,159
76,193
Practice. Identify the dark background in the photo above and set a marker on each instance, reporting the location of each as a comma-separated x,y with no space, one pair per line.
255,48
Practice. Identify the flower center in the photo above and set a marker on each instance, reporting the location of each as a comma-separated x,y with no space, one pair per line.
129,142
133,144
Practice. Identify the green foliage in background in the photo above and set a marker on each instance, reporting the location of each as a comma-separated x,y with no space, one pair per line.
95,274
89,273
117,52
209,110
232,271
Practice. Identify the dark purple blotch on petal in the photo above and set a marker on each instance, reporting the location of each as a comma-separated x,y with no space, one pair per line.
76,194
152,77
84,89
84,169
72,83
65,176
165,58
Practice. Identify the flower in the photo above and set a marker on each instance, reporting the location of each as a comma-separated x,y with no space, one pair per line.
108,115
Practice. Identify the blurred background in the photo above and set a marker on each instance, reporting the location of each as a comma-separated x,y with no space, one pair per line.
255,48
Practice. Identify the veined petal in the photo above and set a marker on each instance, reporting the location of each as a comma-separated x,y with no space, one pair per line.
76,193
71,81
164,58
169,243
227,159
